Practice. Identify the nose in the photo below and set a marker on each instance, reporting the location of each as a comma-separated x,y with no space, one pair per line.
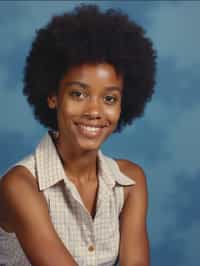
93,109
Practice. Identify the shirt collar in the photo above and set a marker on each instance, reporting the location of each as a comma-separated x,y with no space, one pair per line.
48,165
110,172
50,169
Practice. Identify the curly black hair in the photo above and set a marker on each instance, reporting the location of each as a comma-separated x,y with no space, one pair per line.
89,35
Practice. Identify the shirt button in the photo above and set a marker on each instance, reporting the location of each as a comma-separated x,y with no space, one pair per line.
91,248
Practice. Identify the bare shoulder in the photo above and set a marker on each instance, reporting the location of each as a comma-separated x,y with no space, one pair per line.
134,248
18,174
27,212
16,180
18,187
135,172
132,170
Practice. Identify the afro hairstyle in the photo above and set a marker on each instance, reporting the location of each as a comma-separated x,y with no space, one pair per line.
88,35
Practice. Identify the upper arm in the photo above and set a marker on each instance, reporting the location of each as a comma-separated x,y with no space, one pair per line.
134,246
27,213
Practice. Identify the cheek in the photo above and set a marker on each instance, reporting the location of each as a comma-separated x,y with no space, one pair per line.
114,114
70,110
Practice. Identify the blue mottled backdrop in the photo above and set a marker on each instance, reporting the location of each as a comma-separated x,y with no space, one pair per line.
164,142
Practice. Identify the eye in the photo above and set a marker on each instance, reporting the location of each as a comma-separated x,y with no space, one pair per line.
110,99
77,94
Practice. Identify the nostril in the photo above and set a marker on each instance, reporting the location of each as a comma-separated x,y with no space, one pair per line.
91,116
93,110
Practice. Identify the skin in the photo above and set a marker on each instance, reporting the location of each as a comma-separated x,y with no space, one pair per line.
134,244
88,95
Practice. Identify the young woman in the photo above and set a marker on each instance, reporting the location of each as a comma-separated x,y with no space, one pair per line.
89,74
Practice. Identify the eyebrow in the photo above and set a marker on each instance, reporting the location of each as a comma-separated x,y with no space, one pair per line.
86,86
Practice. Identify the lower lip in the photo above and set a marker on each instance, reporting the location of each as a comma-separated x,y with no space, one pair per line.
89,134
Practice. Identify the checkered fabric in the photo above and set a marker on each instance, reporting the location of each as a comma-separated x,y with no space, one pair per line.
91,242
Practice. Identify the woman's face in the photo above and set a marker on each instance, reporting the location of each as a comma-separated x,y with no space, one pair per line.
88,105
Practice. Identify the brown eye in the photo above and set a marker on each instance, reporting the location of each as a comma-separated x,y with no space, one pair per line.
110,99
77,94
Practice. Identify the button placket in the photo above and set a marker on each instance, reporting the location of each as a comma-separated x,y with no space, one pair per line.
91,245
88,231
91,251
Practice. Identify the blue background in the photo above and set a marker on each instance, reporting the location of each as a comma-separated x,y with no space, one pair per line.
164,142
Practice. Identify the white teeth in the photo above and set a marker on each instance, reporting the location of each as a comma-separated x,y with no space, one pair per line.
91,129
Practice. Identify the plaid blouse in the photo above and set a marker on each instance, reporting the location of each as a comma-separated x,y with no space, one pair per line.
91,242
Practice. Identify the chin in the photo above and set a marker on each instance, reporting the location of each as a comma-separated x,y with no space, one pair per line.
89,146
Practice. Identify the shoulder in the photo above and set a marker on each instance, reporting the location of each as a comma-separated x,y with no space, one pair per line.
134,240
16,184
17,177
136,173
18,188
132,170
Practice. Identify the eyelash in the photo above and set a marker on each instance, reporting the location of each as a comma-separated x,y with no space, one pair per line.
77,94
114,99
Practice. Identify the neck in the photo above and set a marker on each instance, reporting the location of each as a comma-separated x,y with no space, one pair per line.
79,166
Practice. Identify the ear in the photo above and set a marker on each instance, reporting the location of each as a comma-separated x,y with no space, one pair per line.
52,101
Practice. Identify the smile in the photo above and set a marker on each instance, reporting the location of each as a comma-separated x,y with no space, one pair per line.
90,131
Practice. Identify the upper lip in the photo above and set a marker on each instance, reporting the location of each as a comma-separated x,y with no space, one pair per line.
91,125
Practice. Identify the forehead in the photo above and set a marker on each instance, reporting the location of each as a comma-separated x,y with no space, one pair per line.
97,73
